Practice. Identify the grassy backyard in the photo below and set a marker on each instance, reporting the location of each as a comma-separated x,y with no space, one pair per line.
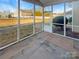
14,21
8,29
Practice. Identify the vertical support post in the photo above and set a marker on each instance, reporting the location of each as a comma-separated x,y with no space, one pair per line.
64,18
43,17
52,17
18,21
72,19
34,18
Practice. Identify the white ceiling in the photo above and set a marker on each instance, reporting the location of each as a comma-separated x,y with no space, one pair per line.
49,2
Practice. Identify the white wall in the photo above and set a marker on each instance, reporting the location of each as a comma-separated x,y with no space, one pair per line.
76,16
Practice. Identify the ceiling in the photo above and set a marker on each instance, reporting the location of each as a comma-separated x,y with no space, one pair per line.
48,2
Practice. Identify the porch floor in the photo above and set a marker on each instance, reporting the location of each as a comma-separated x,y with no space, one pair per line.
41,46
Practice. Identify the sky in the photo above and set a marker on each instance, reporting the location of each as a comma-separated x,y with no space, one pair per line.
11,5
59,8
7,5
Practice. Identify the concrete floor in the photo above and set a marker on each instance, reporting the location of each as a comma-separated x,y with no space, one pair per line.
37,47
43,50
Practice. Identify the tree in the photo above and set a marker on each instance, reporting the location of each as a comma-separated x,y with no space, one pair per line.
0,16
59,20
9,16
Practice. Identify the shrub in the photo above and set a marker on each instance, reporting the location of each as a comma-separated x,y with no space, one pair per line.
59,20
70,20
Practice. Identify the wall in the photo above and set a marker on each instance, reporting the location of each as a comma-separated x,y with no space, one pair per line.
76,16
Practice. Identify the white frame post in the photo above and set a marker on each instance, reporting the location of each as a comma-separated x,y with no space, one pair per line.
18,20
34,18
52,16
64,18
43,18
72,19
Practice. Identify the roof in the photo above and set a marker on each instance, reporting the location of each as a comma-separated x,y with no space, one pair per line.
48,2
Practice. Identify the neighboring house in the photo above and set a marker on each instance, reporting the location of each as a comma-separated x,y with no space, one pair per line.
26,12
23,13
